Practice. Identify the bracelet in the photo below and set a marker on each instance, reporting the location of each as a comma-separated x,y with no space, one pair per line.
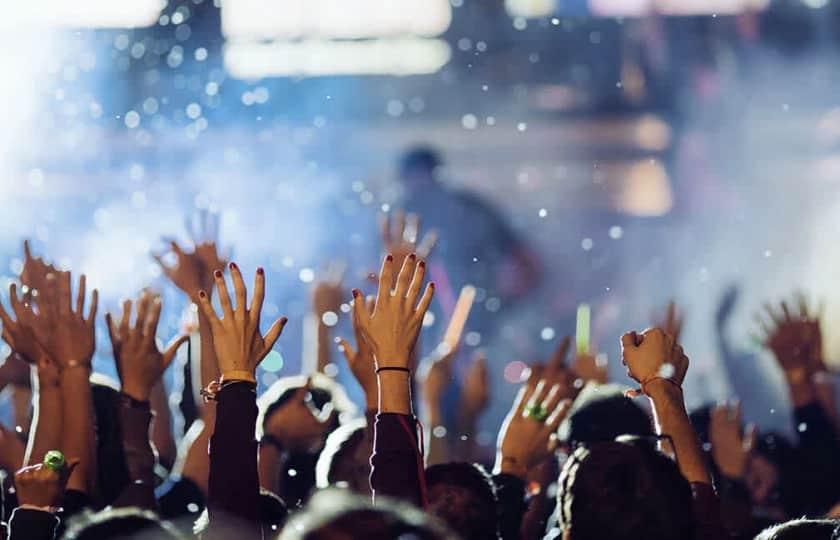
389,368
237,375
666,379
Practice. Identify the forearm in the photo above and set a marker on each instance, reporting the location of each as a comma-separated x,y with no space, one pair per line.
194,457
135,418
161,432
209,369
438,451
324,345
672,421
77,435
46,429
394,392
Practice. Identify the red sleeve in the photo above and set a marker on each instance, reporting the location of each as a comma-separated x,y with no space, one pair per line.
397,462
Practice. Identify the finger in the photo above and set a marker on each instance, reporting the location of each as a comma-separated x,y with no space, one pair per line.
27,252
206,307
416,282
64,292
163,267
4,316
80,295
558,414
224,297
412,228
558,359
259,293
238,289
94,304
537,395
520,400
176,248
629,340
112,330
274,332
125,322
152,319
427,244
633,393
775,317
385,229
399,224
15,303
361,315
69,466
142,313
802,304
552,398
405,275
735,412
426,299
347,349
786,311
385,280
172,349
750,437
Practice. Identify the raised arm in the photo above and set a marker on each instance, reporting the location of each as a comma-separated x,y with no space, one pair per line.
234,486
326,298
391,331
140,365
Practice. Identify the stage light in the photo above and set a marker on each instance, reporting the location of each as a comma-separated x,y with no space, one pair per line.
333,19
637,8
406,56
83,13
530,9
646,190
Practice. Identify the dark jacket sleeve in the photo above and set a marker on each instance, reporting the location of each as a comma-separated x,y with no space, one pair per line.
818,448
706,509
139,457
233,497
396,463
28,524
510,497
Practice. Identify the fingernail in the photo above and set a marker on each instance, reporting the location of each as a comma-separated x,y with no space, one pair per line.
389,258
412,256
233,266
260,270
432,284
422,264
355,293
217,273
202,294
284,320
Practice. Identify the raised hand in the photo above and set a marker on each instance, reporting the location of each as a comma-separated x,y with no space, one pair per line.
652,355
400,233
69,336
730,445
672,322
528,434
391,330
20,333
795,337
239,345
140,363
42,487
555,370
361,361
475,394
295,425
35,270
591,367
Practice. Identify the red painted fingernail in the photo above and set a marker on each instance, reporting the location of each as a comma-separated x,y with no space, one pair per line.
260,270
389,258
233,266
202,294
422,264
217,273
432,284
284,320
412,256
355,293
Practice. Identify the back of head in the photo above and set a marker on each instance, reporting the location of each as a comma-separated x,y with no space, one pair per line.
419,163
345,459
463,495
624,490
802,529
603,415
120,523
337,514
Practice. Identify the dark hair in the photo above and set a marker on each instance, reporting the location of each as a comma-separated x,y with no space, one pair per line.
111,469
333,513
123,523
802,529
345,459
602,418
420,159
463,495
624,490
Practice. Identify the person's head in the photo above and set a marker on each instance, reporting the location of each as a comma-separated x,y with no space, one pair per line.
772,474
624,489
603,415
419,166
802,529
464,497
345,460
120,523
337,514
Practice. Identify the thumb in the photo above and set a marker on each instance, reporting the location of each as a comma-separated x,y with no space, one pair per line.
68,469
750,437
347,349
172,348
629,340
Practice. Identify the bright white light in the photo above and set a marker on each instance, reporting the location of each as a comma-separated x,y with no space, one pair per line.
408,56
333,19
530,9
83,13
646,190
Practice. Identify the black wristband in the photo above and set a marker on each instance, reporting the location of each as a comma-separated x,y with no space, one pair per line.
386,368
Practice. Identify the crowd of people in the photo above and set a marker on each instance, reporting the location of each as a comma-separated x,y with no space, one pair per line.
577,457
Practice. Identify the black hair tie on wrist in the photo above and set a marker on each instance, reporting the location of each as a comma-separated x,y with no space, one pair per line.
386,368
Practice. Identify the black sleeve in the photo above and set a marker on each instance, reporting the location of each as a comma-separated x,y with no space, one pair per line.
510,500
819,448
26,524
396,463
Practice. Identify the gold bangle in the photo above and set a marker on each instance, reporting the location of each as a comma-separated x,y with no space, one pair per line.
238,375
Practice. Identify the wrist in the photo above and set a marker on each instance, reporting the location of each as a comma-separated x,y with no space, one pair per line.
136,392
394,392
237,375
662,389
508,464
